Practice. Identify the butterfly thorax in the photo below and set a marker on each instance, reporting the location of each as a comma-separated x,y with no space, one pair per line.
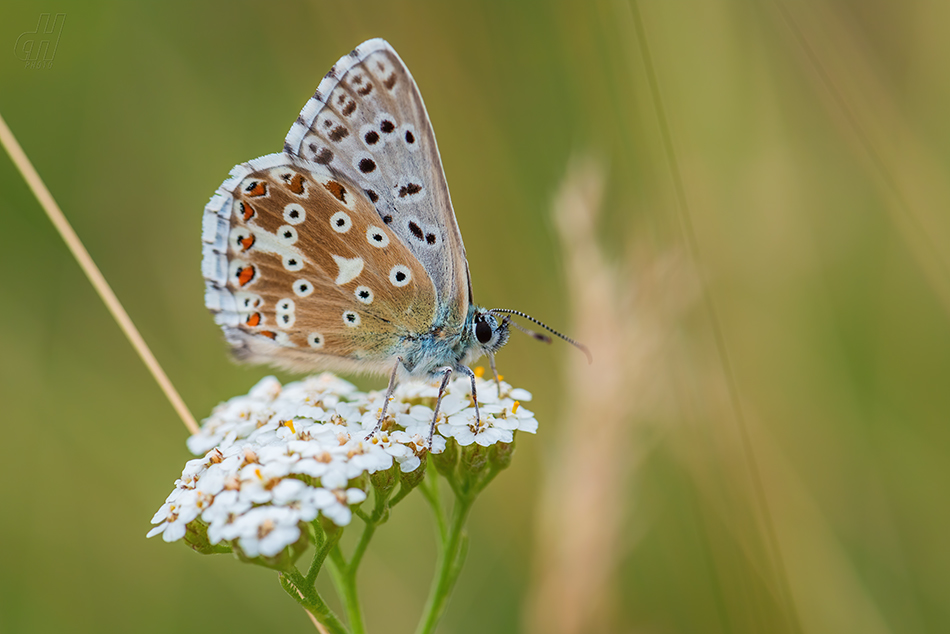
454,346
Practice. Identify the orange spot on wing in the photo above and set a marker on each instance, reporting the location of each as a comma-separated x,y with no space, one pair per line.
257,188
247,242
246,211
338,191
254,320
269,334
245,275
296,184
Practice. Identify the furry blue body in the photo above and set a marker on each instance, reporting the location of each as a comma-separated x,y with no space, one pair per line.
452,347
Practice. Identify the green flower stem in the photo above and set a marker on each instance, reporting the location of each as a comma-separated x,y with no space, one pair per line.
486,479
302,590
367,535
320,554
344,580
451,557
403,492
430,489
459,560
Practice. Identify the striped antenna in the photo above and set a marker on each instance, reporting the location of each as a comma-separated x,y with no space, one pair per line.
539,336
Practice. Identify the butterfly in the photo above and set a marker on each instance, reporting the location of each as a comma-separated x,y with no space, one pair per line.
342,251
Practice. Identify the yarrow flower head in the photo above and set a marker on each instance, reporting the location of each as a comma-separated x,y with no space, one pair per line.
285,465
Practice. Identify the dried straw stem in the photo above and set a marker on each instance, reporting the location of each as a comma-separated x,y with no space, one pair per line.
622,314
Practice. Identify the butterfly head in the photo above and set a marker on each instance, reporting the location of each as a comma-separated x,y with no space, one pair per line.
502,328
488,332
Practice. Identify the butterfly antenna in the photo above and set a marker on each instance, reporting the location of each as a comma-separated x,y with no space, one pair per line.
539,336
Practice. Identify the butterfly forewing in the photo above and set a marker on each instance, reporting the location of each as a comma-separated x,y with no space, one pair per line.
301,272
367,124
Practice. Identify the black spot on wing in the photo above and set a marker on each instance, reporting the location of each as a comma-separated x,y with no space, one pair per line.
339,133
321,155
409,190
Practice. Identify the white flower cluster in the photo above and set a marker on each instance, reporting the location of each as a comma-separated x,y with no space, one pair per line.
281,455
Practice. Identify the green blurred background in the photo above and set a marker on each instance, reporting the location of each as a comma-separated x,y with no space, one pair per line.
812,140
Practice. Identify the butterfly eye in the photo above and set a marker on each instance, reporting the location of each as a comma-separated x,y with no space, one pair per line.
483,331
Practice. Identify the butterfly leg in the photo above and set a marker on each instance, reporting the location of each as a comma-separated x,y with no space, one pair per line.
494,371
446,373
389,395
471,375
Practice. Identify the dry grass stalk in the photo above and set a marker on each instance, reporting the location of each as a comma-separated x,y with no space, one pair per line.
623,312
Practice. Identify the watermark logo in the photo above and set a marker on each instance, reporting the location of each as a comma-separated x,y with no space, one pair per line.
37,48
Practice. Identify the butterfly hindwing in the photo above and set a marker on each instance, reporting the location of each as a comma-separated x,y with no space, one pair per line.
368,124
302,273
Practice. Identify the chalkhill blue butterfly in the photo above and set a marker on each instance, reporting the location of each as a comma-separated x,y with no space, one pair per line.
342,252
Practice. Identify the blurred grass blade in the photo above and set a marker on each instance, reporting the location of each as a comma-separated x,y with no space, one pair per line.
726,364
861,102
32,178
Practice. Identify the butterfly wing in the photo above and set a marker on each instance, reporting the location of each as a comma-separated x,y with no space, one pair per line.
301,272
367,123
